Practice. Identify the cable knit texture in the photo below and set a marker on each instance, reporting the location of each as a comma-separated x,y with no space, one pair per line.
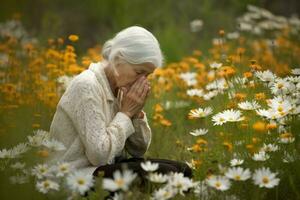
88,122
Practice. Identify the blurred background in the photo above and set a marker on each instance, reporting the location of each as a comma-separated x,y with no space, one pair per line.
95,21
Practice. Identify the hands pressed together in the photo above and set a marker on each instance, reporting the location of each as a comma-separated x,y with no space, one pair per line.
134,98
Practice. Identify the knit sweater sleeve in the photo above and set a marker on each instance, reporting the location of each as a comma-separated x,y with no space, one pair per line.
138,143
101,142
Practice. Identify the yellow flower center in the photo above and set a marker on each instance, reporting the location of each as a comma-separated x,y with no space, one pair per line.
265,180
120,182
218,184
279,85
80,181
237,177
166,194
63,168
46,184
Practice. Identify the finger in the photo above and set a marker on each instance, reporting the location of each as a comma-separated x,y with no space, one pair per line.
144,93
124,90
135,85
139,85
149,92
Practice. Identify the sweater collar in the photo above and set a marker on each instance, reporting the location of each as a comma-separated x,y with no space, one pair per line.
98,69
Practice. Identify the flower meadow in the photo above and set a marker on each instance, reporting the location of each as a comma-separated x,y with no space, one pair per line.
231,114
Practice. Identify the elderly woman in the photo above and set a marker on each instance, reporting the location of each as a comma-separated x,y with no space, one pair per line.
100,117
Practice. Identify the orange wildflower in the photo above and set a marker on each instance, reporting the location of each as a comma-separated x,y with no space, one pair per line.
36,125
73,38
43,153
259,126
255,140
158,108
226,71
196,148
201,141
271,126
221,32
240,96
166,122
248,74
260,96
228,145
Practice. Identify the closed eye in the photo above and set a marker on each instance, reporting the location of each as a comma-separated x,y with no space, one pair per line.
139,72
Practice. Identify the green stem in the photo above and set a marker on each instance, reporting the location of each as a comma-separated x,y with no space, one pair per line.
293,186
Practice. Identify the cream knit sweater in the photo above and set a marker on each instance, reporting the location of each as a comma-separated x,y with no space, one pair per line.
88,123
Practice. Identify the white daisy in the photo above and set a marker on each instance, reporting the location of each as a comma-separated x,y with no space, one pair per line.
211,94
233,35
195,92
18,165
200,112
4,153
158,177
265,76
269,147
260,156
236,162
54,145
242,81
80,182
296,71
281,107
293,79
269,114
179,183
218,182
46,185
196,25
163,193
119,181
243,26
189,78
38,138
199,132
281,86
265,178
118,196
232,115
62,169
218,119
148,166
18,150
19,179
286,140
249,105
288,158
238,173
219,85
215,65
41,171
175,104
227,116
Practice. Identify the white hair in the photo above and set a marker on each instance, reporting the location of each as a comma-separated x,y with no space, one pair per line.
135,45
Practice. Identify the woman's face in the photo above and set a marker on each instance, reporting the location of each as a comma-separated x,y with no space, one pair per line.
129,73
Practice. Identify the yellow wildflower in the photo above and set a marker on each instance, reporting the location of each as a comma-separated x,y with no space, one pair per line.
73,38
